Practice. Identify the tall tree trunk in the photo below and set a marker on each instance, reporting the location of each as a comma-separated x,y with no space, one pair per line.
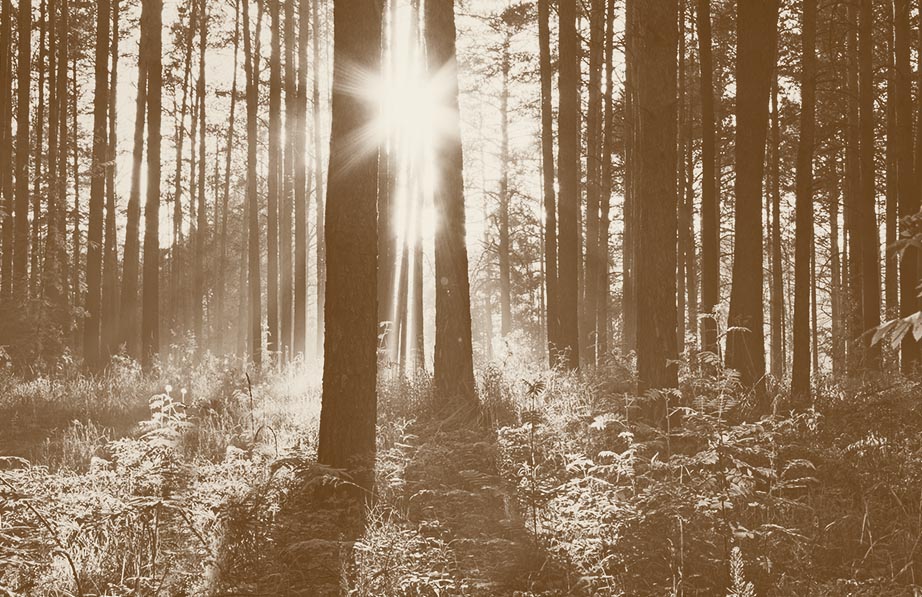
150,319
710,202
286,203
656,200
6,154
594,137
275,144
891,284
906,178
252,200
318,177
681,214
37,217
301,189
221,291
505,276
869,239
453,367
757,31
201,228
568,255
777,314
838,352
547,171
23,142
349,409
603,286
128,312
110,298
94,245
803,250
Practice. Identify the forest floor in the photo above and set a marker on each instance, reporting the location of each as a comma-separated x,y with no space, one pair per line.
197,482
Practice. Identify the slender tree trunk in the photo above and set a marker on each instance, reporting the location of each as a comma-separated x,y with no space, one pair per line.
453,368
778,337
906,180
505,276
252,200
869,241
755,62
891,284
286,203
318,177
603,284
349,410
110,298
23,142
547,170
275,139
37,217
800,375
201,228
682,214
656,200
94,246
838,352
301,189
150,324
6,154
568,255
594,138
710,202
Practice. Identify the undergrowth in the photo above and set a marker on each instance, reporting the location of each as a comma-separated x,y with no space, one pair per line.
200,480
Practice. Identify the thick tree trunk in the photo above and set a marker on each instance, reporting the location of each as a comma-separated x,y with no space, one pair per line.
656,199
906,180
286,202
757,32
349,411
37,217
453,367
6,146
777,307
568,255
603,284
803,250
299,343
594,138
891,283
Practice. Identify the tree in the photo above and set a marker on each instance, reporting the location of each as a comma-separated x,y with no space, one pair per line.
778,303
656,33
800,376
908,194
299,345
21,209
6,144
110,291
594,139
38,178
453,366
273,177
91,329
547,171
128,312
349,405
710,203
201,224
287,198
608,141
568,254
252,200
318,177
757,35
151,21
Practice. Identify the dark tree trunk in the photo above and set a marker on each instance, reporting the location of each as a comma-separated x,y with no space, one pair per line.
150,325
301,197
853,299
603,285
37,217
777,307
6,146
906,180
201,225
594,137
94,246
710,202
656,199
453,367
568,255
800,375
891,284
349,410
757,31
23,142
318,177
286,202
110,299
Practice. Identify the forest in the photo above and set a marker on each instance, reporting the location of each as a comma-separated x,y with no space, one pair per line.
523,298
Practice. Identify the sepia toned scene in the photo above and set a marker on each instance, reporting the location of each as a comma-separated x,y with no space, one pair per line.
515,298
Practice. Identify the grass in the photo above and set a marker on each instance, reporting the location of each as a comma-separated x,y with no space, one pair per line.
201,481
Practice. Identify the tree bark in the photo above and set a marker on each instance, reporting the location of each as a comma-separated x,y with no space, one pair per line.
547,172
906,181
252,200
275,139
150,325
301,191
757,31
23,142
110,288
803,250
349,409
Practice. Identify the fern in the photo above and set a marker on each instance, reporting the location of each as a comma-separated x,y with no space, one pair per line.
739,586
